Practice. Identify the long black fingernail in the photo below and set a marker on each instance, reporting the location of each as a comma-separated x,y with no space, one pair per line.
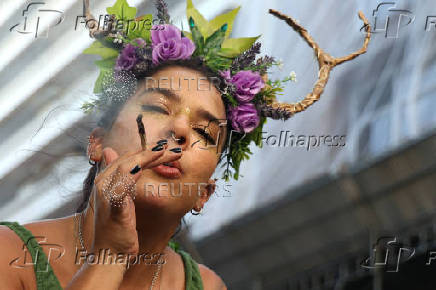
157,148
176,150
135,169
162,142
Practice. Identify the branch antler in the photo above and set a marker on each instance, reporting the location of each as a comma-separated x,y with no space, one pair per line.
95,31
326,63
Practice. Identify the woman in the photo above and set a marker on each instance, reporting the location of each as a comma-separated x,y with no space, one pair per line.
157,145
145,224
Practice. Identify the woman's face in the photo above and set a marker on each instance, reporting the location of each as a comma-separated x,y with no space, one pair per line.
183,106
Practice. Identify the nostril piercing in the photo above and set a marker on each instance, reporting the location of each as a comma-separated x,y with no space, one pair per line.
174,137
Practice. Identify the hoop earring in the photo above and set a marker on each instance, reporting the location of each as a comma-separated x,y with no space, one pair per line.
90,161
197,213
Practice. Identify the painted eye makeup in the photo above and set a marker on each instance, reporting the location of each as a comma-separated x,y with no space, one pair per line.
154,108
205,135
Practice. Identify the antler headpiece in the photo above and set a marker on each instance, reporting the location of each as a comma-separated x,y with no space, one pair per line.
130,46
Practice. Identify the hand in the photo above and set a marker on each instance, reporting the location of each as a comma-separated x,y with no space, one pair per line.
115,226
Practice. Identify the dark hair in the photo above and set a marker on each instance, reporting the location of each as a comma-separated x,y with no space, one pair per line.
109,116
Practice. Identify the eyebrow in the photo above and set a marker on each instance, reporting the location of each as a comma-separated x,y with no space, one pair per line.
204,114
167,93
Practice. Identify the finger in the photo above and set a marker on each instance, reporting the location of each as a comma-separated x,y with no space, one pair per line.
118,197
109,155
118,182
148,159
111,159
169,156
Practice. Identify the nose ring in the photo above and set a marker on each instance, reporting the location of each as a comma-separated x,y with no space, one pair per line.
172,135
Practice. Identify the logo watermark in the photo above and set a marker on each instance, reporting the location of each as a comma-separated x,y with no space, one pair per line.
55,252
394,254
34,21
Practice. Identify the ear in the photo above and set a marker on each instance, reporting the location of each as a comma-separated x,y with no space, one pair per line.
95,144
205,194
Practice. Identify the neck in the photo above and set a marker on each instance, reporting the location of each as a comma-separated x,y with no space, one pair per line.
154,232
155,229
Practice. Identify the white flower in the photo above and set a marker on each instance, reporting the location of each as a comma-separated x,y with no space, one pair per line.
293,76
118,40
280,64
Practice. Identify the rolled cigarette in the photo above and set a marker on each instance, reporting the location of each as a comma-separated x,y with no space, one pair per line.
141,131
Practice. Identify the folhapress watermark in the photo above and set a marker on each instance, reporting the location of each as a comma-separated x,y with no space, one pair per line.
287,139
106,257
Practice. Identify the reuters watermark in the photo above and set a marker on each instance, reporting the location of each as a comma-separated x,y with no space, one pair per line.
184,189
175,84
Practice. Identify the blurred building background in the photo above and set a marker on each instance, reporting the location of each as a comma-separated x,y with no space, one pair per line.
319,217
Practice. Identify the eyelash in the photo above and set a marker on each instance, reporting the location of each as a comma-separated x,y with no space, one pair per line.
154,109
205,135
158,109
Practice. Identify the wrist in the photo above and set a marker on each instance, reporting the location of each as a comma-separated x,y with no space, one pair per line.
116,268
101,256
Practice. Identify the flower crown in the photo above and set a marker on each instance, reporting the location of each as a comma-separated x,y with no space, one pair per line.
130,46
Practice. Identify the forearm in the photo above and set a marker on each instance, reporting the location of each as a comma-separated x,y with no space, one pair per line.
99,276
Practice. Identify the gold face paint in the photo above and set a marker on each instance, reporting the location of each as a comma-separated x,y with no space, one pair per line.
188,111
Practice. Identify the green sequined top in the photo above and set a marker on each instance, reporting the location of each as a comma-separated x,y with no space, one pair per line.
47,280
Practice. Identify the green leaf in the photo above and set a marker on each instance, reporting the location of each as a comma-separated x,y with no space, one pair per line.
233,47
202,23
228,52
98,86
187,34
213,42
198,39
140,28
122,10
216,63
228,18
106,64
98,48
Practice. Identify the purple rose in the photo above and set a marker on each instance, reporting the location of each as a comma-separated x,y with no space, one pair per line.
168,44
127,58
140,42
247,85
244,118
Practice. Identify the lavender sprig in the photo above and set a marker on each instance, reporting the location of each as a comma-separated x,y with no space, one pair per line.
162,11
264,63
247,58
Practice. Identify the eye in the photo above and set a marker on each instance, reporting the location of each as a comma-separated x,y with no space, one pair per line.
154,108
205,135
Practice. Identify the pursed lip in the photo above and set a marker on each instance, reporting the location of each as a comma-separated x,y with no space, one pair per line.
171,170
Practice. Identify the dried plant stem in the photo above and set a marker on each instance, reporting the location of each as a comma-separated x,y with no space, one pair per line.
94,31
141,131
325,61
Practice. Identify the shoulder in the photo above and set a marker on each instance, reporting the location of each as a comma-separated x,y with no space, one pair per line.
15,260
211,280
11,274
11,243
